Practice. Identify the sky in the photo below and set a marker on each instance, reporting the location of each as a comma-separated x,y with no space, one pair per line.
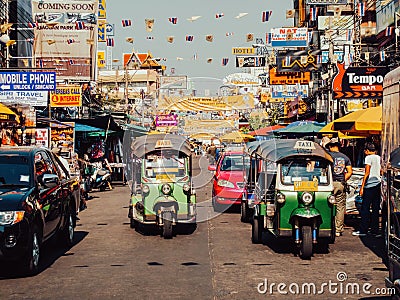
221,47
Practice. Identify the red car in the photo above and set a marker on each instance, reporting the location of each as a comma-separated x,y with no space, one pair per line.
228,181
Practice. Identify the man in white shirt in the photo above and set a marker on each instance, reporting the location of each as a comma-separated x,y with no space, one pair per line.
371,192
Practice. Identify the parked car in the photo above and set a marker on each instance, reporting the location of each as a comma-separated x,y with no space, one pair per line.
228,181
36,204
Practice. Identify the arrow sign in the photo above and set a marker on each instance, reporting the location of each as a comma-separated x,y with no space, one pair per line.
5,87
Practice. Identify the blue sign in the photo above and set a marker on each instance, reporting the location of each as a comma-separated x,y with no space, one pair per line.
27,81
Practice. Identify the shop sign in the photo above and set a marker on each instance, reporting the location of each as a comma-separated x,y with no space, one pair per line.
250,61
358,82
288,78
63,136
242,51
289,91
32,98
66,96
289,37
42,137
166,120
297,61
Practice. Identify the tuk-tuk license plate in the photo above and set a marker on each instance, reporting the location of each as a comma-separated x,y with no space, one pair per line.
302,186
165,177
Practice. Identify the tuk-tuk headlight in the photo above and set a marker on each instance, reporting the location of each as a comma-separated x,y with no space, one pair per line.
145,189
166,189
331,199
186,187
307,198
225,183
280,198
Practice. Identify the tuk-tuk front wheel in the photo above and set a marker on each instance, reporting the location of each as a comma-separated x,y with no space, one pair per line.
256,230
306,246
167,225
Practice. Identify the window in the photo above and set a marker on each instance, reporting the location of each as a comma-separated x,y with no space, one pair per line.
305,170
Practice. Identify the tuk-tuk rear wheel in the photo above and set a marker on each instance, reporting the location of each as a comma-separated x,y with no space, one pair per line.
256,230
306,246
244,212
167,225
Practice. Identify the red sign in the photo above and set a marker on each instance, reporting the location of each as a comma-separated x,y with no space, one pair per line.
166,120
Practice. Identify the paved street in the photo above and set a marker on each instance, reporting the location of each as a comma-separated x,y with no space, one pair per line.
217,261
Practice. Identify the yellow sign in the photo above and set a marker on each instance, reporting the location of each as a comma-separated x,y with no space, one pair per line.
303,186
102,9
165,177
102,32
66,96
241,51
163,144
101,59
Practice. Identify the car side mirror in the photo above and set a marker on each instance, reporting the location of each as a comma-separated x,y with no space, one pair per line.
50,180
212,168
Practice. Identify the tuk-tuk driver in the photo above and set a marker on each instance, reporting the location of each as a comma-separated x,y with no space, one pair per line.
342,171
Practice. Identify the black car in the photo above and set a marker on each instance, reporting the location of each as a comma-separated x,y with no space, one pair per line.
36,203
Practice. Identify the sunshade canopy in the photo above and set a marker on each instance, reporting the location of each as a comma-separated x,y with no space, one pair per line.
236,136
328,130
364,121
278,150
148,143
7,114
301,127
266,130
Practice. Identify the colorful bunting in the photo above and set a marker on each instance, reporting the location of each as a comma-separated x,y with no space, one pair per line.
313,13
337,12
79,25
70,41
209,60
173,20
194,18
241,15
310,36
32,24
290,13
209,37
229,34
195,56
287,61
189,38
220,15
110,42
150,38
179,58
249,37
126,23
130,40
225,61
388,31
71,62
382,55
170,39
51,42
268,38
349,35
361,9
319,59
266,15
149,24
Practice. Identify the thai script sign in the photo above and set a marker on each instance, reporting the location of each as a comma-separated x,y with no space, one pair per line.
276,77
166,120
289,37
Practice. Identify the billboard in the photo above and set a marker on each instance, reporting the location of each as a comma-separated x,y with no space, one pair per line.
289,37
65,37
250,61
358,82
66,96
289,78
173,82
298,61
289,91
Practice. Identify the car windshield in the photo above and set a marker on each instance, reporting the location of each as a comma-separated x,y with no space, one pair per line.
161,164
235,163
304,170
14,170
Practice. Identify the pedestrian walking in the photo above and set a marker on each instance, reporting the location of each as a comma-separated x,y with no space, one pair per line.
342,171
370,191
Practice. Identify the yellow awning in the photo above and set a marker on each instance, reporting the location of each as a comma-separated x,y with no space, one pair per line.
7,114
236,137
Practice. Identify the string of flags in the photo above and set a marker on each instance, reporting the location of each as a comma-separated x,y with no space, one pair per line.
126,23
361,9
266,15
173,20
389,31
313,13
220,15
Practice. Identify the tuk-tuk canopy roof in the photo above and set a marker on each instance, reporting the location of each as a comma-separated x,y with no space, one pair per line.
278,150
395,158
148,143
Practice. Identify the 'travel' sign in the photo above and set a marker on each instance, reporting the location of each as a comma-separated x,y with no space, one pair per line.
25,81
241,51
358,82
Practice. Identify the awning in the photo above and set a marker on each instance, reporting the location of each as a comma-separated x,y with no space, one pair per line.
362,122
301,128
87,128
236,137
328,130
266,130
7,114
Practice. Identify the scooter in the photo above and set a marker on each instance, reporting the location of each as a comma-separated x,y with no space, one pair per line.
101,179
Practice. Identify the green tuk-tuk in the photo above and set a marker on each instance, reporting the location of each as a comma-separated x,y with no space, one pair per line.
293,193
162,192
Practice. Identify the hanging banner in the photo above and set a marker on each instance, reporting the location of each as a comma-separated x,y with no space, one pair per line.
102,36
289,37
66,37
66,96
358,82
102,9
101,59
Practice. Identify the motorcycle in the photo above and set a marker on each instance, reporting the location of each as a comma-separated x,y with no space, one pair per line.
101,179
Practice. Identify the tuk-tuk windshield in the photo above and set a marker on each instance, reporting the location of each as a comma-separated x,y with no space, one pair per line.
235,163
163,163
305,170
